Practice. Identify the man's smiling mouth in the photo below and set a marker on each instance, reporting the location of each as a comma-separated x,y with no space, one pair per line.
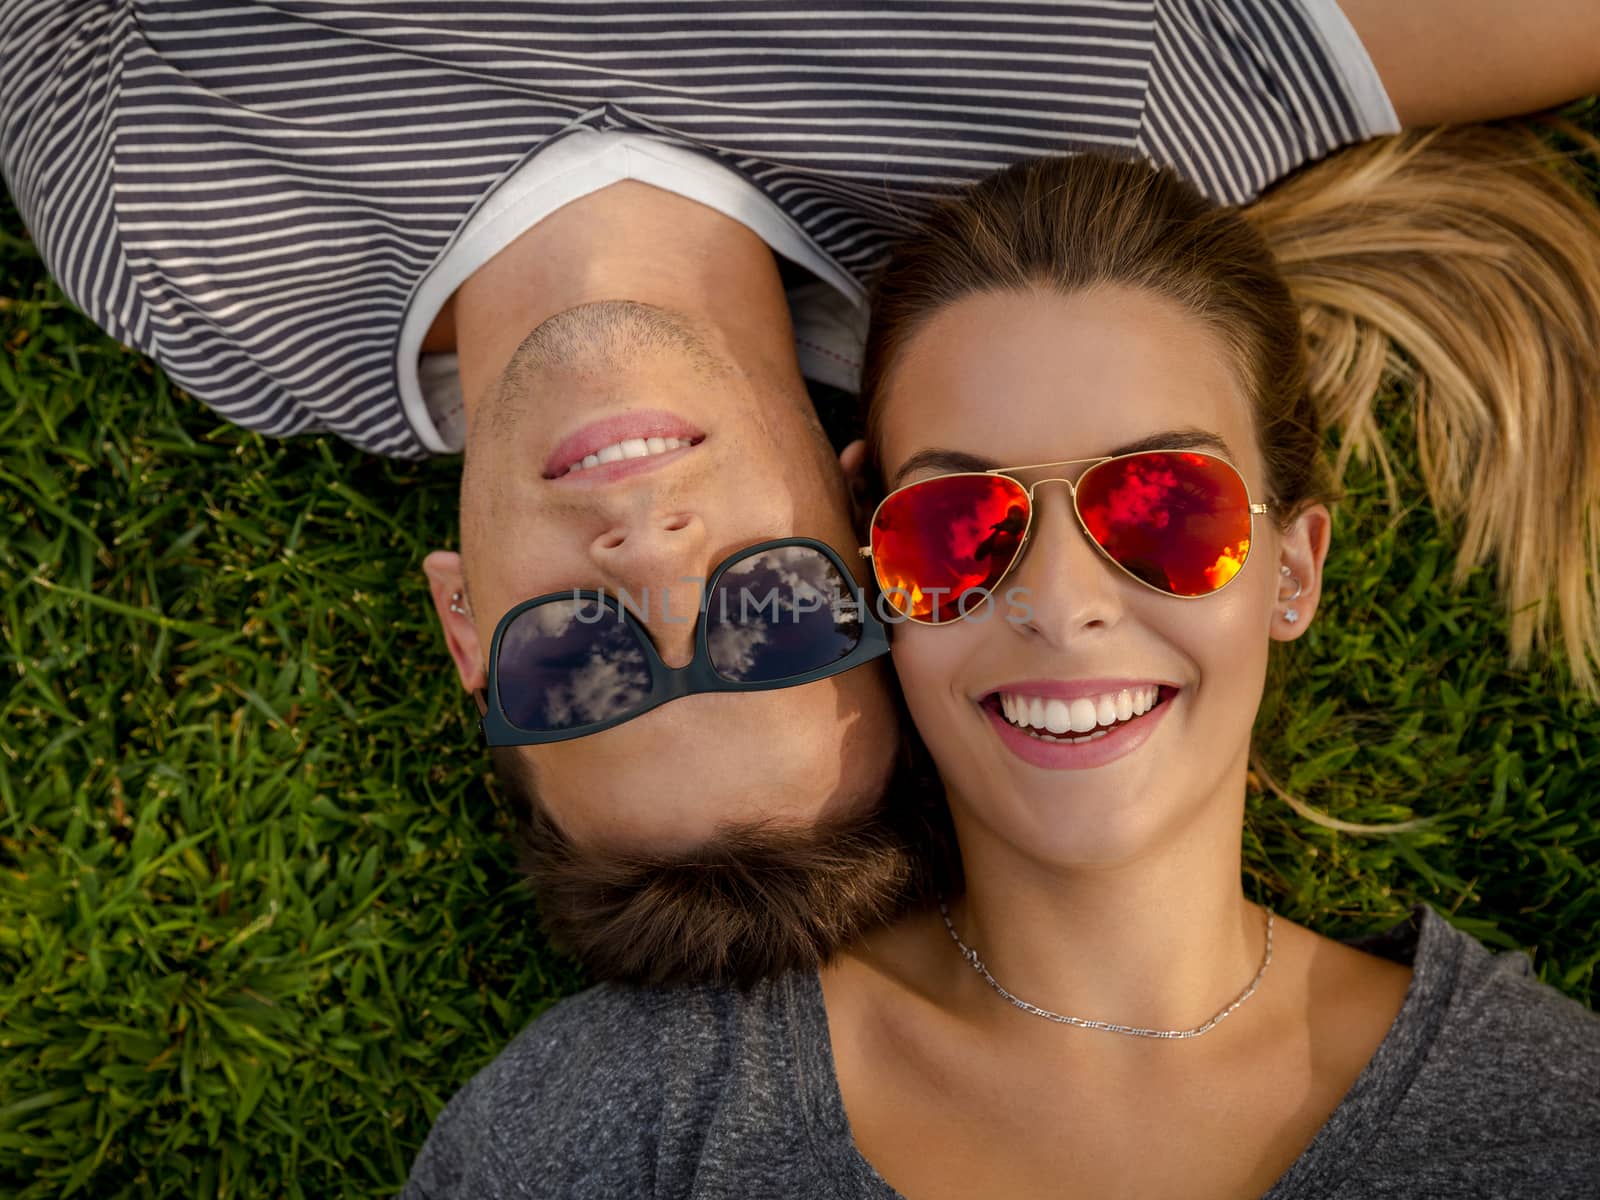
622,437
629,448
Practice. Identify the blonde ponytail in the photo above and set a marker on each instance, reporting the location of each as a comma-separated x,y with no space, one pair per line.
1475,253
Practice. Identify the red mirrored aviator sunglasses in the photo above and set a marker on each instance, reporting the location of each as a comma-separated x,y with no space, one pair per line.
1178,521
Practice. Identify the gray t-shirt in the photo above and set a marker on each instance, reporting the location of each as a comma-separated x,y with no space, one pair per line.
1487,1084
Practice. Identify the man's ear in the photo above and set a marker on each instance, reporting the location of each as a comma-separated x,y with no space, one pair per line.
853,462
448,586
1301,552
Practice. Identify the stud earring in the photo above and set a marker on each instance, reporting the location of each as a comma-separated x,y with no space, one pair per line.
1291,615
455,604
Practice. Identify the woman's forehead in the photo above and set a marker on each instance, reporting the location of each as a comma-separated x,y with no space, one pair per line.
1038,377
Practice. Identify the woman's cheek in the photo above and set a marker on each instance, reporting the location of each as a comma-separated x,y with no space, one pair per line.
933,665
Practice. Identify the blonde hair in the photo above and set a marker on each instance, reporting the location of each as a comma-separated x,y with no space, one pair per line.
1465,262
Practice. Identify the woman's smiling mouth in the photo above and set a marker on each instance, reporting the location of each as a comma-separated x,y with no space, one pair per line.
1090,726
1055,716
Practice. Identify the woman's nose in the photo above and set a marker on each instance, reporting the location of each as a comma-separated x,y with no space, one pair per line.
655,564
1063,587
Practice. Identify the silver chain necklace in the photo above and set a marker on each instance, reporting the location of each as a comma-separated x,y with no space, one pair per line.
971,956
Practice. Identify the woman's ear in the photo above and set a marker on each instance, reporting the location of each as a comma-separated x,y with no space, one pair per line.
1302,549
447,584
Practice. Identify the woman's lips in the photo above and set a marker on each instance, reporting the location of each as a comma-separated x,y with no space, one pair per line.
1095,751
639,424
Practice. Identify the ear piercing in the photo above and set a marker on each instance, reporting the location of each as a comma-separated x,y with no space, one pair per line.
455,603
1289,614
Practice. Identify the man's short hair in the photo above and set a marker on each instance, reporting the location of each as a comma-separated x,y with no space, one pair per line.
751,903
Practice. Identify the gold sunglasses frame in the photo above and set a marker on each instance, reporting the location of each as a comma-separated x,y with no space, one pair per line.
1254,509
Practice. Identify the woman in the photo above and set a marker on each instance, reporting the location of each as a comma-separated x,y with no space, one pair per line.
1040,322
1092,1006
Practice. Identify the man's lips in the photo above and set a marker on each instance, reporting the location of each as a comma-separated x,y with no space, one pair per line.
638,423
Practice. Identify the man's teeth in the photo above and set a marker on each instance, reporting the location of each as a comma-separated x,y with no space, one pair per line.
630,448
1038,713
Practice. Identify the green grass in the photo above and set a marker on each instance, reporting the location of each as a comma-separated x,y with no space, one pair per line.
258,917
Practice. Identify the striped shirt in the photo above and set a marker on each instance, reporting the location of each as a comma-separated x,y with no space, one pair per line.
252,192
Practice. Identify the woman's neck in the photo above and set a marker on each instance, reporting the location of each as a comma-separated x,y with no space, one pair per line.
1162,951
1159,938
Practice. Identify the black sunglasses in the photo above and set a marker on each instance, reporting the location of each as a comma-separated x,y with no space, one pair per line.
774,615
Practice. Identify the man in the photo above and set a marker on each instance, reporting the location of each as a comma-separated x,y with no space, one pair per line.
534,233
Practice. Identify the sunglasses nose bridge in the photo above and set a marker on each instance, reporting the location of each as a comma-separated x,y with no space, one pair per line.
1072,498
1072,486
1075,517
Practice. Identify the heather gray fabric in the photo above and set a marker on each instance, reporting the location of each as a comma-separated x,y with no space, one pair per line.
1488,1084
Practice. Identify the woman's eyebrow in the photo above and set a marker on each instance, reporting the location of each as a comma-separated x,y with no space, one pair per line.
940,459
1189,438
936,458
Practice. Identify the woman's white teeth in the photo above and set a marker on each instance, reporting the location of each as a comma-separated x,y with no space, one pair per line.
628,448
1082,715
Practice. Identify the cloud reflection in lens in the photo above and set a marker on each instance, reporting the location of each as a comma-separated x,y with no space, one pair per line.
567,663
780,613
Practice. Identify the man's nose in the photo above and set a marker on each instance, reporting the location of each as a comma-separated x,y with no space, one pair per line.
655,563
